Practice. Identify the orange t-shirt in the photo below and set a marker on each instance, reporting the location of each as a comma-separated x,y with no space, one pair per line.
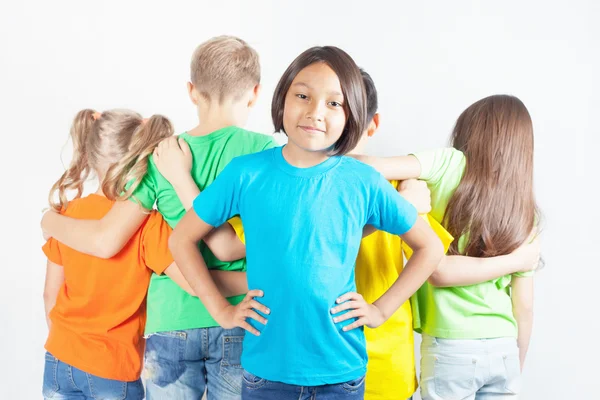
100,312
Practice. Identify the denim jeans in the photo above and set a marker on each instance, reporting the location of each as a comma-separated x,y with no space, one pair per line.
183,364
65,382
256,388
478,369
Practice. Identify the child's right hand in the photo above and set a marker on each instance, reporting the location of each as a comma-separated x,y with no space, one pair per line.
234,316
417,193
173,158
527,256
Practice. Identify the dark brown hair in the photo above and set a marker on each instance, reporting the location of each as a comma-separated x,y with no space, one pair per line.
351,81
494,204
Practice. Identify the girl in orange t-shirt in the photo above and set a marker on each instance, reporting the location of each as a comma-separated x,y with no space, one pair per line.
95,308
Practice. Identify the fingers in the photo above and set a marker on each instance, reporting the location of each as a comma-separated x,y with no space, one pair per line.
249,328
255,316
184,146
349,296
257,306
346,306
359,312
254,293
356,324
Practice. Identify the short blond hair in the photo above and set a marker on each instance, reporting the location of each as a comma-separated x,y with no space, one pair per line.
224,67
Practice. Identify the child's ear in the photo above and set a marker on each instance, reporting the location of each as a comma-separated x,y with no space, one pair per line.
193,93
373,125
254,95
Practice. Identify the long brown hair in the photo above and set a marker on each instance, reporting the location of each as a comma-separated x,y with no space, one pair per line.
116,142
494,204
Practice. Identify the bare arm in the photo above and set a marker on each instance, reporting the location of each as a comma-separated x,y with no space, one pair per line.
427,254
173,158
522,301
101,238
229,283
55,277
397,168
183,245
465,271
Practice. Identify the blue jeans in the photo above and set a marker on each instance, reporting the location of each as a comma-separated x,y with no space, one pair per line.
256,388
183,364
472,369
65,382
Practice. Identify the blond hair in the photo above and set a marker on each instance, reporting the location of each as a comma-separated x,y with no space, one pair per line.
115,141
224,67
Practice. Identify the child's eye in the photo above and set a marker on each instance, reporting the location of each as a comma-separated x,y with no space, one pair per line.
335,104
301,96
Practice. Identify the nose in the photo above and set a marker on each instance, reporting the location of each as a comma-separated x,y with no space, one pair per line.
315,111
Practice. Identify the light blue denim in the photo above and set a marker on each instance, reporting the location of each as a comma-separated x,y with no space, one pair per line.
183,364
478,369
65,382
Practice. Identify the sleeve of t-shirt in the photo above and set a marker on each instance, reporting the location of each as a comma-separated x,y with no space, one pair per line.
435,164
524,274
145,192
52,251
270,144
390,212
219,201
155,243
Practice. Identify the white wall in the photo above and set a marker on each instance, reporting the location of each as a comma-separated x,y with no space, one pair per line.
429,62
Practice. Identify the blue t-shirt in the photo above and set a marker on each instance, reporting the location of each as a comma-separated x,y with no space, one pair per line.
303,228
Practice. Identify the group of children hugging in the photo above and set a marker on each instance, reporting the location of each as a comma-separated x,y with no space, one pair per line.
218,263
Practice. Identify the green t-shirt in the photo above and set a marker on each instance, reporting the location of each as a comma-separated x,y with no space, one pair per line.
466,312
169,306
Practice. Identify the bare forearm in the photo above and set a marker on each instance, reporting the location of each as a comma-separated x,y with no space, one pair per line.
230,283
522,304
187,191
81,235
102,238
49,303
192,266
525,326
397,168
225,244
465,271
414,274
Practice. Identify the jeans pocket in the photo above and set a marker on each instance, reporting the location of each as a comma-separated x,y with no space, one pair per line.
164,356
512,365
50,385
354,385
105,389
454,376
252,381
231,359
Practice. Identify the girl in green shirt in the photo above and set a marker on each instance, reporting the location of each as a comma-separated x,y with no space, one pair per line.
475,338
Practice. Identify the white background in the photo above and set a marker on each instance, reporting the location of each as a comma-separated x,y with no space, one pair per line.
429,62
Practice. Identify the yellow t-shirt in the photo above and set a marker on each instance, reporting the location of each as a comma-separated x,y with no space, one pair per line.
391,369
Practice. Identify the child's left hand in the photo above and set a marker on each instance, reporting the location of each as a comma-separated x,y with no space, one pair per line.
367,314
173,158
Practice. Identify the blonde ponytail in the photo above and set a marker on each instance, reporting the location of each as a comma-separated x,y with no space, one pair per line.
79,169
123,177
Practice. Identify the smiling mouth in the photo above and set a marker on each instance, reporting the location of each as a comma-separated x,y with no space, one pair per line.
310,129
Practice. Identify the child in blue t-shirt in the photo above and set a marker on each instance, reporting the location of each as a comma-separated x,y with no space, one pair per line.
304,208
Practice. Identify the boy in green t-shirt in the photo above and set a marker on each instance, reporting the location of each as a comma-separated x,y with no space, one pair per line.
186,351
